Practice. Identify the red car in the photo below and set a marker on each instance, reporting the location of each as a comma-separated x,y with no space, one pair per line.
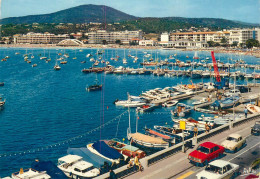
205,153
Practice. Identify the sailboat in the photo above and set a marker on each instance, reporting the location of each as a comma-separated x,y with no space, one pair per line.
43,58
196,56
74,58
57,67
124,60
94,87
145,140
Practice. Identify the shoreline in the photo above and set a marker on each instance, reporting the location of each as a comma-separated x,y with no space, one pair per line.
251,52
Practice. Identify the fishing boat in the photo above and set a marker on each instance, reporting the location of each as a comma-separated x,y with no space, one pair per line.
29,173
181,110
229,102
253,108
74,167
125,149
170,103
101,149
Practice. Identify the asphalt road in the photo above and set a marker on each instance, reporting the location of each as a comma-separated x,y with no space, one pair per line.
243,158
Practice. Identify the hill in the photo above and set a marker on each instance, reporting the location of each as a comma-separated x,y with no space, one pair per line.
80,14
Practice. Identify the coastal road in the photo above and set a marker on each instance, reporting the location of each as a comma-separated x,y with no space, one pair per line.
243,158
178,166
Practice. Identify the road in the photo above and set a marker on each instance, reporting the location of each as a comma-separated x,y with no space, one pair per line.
243,158
178,166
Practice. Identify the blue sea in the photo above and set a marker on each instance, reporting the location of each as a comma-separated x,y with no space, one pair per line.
48,111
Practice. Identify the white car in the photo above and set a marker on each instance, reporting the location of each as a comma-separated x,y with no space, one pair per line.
218,169
233,143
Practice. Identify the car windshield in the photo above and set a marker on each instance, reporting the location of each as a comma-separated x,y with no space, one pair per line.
214,169
257,122
203,149
232,139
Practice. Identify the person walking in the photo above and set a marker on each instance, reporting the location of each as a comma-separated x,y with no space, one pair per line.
246,111
195,131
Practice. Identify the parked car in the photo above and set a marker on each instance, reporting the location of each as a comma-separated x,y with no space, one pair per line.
205,153
219,169
233,92
233,143
243,89
255,130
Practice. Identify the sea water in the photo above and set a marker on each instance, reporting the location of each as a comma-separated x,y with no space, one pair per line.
48,111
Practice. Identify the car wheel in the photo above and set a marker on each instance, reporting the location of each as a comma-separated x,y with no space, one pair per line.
205,163
235,150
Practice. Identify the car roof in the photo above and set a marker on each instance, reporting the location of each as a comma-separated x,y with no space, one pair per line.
235,135
208,145
219,163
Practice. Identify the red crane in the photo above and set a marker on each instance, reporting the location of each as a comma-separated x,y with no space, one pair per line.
215,65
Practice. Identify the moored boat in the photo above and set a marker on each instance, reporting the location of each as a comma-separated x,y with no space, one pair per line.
125,149
253,108
30,173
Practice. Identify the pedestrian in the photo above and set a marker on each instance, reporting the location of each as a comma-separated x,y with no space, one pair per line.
131,162
137,163
195,131
112,174
245,112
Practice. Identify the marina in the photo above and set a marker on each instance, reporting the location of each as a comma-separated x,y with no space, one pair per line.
54,100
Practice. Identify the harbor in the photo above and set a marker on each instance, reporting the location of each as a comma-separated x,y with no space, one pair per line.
132,96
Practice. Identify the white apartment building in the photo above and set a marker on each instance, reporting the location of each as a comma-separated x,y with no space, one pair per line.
97,37
242,35
146,43
200,36
39,38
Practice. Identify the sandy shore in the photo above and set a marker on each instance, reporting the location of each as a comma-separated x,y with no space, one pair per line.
253,52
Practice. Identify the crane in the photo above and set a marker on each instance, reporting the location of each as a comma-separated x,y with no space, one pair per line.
217,76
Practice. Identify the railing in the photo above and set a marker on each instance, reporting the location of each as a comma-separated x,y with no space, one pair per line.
158,156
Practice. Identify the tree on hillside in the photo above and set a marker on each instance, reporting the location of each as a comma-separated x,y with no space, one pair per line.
252,43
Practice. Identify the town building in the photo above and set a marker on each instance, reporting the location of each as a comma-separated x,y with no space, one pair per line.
146,43
242,35
39,38
125,37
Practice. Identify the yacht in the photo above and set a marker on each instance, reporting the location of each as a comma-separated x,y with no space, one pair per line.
74,167
57,67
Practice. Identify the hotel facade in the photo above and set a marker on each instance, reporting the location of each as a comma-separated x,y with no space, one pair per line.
200,39
125,37
39,38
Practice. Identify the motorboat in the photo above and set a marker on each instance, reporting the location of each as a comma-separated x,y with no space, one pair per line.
229,102
74,167
253,108
170,103
165,137
203,100
101,149
30,173
50,168
95,87
57,67
181,110
193,122
146,108
132,101
125,149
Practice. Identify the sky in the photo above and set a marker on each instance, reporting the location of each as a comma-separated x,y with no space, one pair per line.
241,10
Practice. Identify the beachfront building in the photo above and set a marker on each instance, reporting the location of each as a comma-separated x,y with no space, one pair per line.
215,36
70,42
169,42
39,38
146,43
242,35
125,37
